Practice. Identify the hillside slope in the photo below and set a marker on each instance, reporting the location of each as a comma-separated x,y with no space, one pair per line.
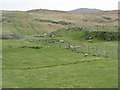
41,21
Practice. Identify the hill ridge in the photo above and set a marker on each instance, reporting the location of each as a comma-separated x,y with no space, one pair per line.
85,10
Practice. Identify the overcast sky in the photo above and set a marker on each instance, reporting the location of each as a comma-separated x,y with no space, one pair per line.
64,5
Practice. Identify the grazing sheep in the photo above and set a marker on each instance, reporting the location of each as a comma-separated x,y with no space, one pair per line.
70,46
67,28
86,55
61,41
45,34
53,35
90,37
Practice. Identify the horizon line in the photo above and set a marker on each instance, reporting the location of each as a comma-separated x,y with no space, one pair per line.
53,9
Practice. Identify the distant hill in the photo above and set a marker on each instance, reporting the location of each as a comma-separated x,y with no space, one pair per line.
85,10
42,21
46,11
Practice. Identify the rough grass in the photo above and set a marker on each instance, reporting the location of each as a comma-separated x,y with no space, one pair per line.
22,23
50,65
54,67
45,56
94,74
79,19
16,22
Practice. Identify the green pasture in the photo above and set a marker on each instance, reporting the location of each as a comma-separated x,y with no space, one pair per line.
52,66
41,61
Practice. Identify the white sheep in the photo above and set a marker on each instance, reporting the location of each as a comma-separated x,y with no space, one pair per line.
86,55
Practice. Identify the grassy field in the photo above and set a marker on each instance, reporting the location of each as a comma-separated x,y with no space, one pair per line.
40,52
51,65
94,74
55,67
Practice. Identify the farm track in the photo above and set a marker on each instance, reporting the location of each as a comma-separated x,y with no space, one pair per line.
33,28
51,66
